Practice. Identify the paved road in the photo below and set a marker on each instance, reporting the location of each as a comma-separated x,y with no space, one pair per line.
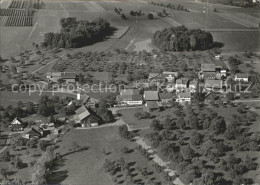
158,160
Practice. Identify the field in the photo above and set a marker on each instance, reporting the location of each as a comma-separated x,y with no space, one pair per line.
140,29
99,141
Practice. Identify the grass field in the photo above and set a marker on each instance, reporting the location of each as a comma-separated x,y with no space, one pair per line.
91,160
15,40
11,98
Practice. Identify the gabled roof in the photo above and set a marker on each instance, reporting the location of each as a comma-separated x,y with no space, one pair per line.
129,92
130,97
17,120
165,96
182,81
152,104
184,95
213,83
82,112
152,75
209,74
32,130
208,67
242,75
84,98
54,74
68,75
151,95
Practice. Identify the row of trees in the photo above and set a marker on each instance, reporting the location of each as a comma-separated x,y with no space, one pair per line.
74,33
170,6
181,39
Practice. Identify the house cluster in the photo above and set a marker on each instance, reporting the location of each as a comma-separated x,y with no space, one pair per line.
214,76
34,132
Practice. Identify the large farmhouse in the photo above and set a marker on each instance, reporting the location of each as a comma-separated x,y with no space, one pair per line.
130,97
151,100
85,118
67,77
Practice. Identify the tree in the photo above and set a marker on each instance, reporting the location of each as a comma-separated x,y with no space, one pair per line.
196,139
187,152
4,173
192,42
230,96
180,123
150,16
123,16
156,125
218,125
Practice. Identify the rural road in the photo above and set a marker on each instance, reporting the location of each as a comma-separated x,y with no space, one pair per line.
247,100
54,60
158,160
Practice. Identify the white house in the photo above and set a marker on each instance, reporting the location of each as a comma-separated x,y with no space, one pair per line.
183,97
17,124
241,77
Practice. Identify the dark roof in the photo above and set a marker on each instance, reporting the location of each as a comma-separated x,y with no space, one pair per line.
209,74
129,92
130,97
82,112
182,81
32,129
152,104
208,67
165,96
151,95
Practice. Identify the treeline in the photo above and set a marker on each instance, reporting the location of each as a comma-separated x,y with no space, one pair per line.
181,39
74,33
170,6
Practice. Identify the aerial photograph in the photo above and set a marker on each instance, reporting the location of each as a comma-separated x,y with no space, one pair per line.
129,92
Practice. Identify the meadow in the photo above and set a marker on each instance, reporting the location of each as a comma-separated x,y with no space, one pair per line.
140,28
